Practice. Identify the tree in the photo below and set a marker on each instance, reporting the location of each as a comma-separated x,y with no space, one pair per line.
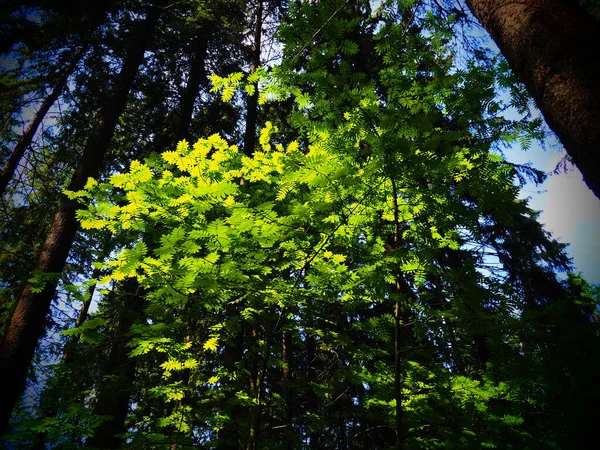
27,321
554,48
40,76
13,161
145,90
360,273
115,388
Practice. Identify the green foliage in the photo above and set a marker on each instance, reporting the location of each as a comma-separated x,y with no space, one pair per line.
368,277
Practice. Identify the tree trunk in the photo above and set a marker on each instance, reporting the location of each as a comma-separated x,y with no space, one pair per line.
404,339
258,372
312,401
286,350
196,77
229,437
114,390
27,321
398,375
252,103
13,161
178,122
553,46
254,388
234,349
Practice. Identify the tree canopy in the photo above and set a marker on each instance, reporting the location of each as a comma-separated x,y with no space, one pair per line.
279,225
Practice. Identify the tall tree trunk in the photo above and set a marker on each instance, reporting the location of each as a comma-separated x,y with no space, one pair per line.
258,372
249,143
229,437
27,321
12,163
114,390
312,401
404,339
234,349
252,103
398,373
286,351
181,117
553,46
196,77
255,387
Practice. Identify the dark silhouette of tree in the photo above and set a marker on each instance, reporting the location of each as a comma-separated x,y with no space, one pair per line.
27,321
19,150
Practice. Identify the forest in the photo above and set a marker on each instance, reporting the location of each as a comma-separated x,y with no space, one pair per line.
292,224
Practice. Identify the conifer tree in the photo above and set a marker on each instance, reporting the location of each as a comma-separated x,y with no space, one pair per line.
27,320
347,264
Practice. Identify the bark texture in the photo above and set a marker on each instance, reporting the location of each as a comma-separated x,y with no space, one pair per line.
27,321
553,46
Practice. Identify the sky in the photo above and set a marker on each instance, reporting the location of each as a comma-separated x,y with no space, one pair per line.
569,210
